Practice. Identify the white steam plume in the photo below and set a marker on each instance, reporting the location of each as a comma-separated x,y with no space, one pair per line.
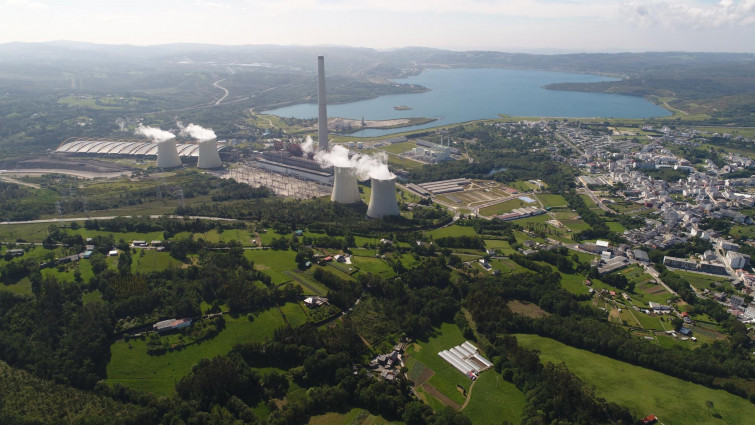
308,146
197,132
154,133
367,166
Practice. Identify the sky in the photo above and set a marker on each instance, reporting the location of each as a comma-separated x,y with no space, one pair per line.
535,26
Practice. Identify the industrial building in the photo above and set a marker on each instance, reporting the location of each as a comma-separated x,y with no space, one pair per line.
383,198
303,168
466,358
167,154
521,213
208,154
123,147
345,187
704,267
439,187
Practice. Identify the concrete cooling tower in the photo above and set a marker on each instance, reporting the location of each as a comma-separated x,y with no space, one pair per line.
167,154
383,199
322,108
345,190
208,155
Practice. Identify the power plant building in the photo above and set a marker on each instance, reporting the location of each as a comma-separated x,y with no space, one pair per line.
345,187
383,198
208,155
167,154
122,147
322,107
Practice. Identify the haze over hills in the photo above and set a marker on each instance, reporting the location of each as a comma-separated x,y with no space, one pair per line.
49,88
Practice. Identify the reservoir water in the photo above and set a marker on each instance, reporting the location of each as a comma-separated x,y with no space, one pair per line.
458,95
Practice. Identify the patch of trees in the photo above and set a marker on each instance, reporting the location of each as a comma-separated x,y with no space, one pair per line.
341,292
55,336
317,214
553,394
169,226
468,242
598,227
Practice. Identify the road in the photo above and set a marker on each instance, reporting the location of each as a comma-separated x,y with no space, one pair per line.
597,200
217,84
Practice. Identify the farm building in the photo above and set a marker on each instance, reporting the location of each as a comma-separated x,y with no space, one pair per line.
466,358
171,325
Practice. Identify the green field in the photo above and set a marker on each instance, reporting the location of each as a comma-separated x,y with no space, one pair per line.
400,147
615,226
744,231
505,207
494,400
149,260
645,392
294,313
130,365
453,230
701,281
372,265
354,416
446,376
554,201
272,262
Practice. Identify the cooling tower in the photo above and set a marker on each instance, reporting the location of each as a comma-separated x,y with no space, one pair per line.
167,154
322,109
345,190
383,199
208,155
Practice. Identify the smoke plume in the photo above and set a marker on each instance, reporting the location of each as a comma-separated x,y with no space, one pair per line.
197,132
308,146
367,166
154,133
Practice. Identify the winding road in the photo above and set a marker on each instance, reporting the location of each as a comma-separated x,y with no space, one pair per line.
217,84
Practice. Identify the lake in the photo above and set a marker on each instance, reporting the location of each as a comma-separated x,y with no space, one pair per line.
458,95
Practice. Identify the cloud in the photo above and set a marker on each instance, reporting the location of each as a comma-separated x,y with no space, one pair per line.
684,15
24,3
556,9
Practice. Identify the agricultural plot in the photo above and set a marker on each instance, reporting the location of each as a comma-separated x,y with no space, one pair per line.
504,207
373,265
295,315
615,226
701,281
445,377
523,186
308,284
126,236
399,147
642,390
272,262
354,416
33,232
149,260
553,201
499,245
451,231
494,400
131,366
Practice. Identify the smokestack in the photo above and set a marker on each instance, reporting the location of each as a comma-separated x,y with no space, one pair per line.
322,109
345,190
383,198
167,154
208,155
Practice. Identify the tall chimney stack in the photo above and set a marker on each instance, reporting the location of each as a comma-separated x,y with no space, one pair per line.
322,117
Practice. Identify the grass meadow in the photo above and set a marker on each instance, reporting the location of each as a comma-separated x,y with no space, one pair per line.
130,365
644,391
